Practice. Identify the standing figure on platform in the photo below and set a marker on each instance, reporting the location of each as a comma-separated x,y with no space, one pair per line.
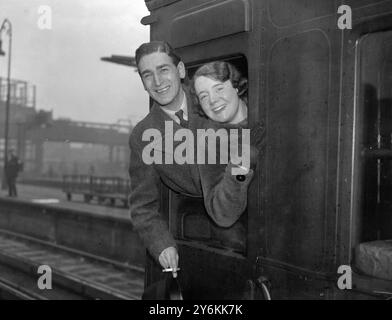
13,166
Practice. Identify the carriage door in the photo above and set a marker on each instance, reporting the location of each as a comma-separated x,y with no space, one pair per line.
373,160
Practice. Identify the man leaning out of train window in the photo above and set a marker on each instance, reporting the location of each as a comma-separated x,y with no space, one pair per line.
162,72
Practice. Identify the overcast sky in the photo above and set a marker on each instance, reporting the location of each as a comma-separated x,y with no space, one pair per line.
64,62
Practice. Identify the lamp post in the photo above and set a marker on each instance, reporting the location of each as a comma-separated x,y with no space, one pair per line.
7,26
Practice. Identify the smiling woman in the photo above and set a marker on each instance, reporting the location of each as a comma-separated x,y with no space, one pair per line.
220,90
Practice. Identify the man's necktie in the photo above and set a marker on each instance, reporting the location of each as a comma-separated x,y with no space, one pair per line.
180,115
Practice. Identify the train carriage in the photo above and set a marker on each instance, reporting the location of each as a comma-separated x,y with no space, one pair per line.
321,198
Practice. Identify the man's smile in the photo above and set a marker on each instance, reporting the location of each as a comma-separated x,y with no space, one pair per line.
163,90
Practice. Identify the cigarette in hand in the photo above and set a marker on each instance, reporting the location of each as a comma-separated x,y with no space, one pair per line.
169,270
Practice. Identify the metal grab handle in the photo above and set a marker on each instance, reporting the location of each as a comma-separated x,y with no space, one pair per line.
263,284
257,288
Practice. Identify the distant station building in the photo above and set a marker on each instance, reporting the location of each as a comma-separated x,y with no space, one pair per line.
50,148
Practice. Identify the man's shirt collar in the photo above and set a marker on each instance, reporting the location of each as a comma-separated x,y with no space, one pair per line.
184,108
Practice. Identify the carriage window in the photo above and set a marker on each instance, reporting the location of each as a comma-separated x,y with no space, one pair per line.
375,136
188,218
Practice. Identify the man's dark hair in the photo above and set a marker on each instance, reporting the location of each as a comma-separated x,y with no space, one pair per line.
156,46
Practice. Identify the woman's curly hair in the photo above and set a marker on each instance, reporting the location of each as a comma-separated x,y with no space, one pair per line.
220,71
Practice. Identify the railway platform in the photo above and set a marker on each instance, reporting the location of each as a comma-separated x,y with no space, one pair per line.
55,197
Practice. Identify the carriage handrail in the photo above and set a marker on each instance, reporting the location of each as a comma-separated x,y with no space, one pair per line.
377,153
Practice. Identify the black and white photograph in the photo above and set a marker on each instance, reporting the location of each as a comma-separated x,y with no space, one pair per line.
214,151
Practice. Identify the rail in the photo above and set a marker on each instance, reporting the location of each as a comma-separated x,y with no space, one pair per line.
75,275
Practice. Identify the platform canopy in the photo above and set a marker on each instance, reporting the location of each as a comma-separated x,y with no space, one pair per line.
124,60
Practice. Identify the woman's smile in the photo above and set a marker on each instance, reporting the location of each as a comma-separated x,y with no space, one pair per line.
219,108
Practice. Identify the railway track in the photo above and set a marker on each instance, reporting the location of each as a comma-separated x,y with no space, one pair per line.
19,285
75,275
99,231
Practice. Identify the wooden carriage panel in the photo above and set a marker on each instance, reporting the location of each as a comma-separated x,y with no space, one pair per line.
283,13
297,130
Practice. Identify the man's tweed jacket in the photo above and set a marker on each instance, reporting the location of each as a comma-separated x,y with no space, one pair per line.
225,197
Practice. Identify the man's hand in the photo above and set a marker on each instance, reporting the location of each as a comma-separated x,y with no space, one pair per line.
169,259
